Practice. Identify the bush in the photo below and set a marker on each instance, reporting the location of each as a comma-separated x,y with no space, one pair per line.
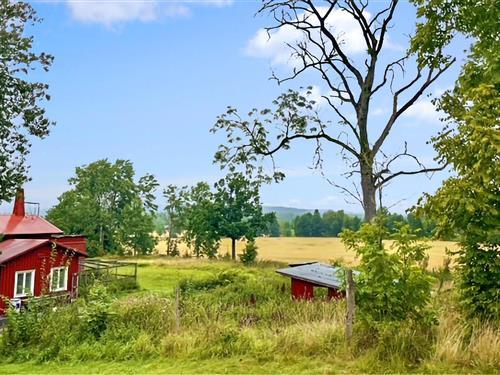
250,254
390,286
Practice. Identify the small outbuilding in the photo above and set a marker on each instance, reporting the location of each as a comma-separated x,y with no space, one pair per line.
36,258
306,276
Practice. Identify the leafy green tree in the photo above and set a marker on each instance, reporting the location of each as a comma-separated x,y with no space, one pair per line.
303,225
238,209
160,222
352,222
273,227
21,114
391,285
468,204
317,225
286,229
334,222
107,205
200,220
174,211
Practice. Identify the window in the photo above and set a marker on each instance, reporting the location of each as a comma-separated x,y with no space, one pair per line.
24,283
58,279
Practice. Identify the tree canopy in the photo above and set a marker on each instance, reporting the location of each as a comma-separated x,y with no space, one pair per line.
469,202
21,113
110,207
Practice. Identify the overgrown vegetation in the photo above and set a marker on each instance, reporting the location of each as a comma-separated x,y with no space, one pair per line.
228,313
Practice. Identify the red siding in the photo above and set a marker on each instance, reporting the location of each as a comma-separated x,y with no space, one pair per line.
73,242
41,261
335,294
302,289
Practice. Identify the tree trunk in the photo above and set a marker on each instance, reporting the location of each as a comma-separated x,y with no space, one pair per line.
233,248
369,190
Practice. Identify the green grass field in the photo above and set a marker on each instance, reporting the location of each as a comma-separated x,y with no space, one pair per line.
288,337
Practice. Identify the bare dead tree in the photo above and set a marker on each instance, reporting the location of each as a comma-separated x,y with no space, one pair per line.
353,83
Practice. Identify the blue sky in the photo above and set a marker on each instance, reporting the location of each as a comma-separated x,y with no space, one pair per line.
145,81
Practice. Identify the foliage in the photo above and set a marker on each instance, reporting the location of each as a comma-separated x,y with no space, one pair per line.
250,254
96,312
161,222
331,224
173,210
199,221
204,215
238,209
273,227
21,115
468,204
107,205
243,315
391,285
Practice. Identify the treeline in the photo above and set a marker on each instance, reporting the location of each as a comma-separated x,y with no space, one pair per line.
332,223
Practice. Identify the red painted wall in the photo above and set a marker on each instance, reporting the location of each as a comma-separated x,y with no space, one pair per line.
302,289
41,259
335,294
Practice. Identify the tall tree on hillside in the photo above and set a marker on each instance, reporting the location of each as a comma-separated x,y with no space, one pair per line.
238,209
110,207
468,204
353,80
21,115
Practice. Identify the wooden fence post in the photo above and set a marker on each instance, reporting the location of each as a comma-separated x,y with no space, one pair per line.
177,309
351,305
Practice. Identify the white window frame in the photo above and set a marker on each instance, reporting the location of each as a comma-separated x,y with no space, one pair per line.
57,288
32,286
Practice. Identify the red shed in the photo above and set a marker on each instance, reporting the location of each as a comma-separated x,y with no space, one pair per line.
36,258
306,276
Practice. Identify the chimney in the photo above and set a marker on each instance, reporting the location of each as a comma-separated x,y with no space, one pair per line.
19,204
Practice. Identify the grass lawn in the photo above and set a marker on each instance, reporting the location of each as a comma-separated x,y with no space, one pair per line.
231,365
163,274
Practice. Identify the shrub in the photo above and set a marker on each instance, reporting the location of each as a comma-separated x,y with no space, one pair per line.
390,286
250,254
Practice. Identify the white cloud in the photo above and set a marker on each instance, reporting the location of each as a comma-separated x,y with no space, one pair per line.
423,110
274,46
111,12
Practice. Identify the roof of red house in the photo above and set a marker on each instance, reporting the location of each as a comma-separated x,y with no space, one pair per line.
13,248
16,225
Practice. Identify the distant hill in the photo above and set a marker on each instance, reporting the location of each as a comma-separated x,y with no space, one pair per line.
290,213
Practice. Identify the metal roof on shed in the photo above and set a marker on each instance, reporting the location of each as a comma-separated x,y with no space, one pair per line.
17,225
316,273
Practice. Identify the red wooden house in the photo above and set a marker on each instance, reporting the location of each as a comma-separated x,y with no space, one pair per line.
36,258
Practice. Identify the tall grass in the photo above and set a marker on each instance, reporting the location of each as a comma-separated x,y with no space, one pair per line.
243,313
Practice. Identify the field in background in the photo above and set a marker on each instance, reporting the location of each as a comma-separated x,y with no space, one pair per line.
299,249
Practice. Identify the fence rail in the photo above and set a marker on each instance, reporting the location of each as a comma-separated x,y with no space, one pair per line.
106,270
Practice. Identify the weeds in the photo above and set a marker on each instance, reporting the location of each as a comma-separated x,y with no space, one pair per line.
242,312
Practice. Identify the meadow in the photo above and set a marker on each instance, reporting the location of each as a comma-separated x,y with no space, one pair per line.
302,249
234,319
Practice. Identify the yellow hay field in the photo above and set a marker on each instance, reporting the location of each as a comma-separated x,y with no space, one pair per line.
299,249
